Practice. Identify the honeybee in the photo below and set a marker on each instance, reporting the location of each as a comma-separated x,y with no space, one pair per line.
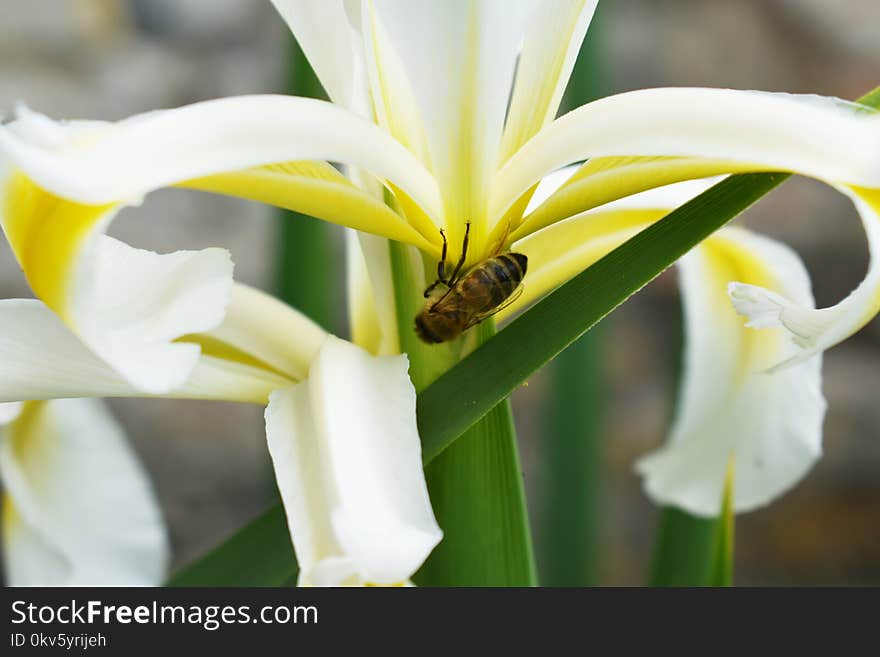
466,299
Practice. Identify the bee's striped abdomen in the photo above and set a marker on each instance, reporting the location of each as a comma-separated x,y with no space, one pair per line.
494,280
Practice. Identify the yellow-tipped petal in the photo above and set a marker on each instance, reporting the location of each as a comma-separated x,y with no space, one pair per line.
319,190
46,233
564,249
606,179
131,307
127,305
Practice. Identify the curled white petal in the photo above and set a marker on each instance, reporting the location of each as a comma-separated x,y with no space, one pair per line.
815,330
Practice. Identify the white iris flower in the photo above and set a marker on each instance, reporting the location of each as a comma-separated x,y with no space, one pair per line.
448,107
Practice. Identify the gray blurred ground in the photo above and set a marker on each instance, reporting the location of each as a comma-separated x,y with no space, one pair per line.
108,59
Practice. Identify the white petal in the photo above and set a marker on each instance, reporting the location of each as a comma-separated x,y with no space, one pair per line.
819,137
333,47
551,47
459,58
347,459
80,509
123,161
40,358
731,408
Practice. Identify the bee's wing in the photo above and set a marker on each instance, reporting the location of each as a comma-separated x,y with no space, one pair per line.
479,317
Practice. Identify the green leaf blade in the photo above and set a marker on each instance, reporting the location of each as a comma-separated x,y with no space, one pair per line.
477,494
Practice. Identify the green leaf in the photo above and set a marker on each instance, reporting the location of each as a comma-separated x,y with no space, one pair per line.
259,554
476,490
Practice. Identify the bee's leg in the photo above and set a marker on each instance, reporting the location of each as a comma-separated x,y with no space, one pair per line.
464,248
431,287
441,268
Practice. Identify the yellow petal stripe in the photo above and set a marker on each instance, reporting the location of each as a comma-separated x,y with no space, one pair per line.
606,179
45,233
318,190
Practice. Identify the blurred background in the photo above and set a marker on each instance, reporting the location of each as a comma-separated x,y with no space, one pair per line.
107,59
